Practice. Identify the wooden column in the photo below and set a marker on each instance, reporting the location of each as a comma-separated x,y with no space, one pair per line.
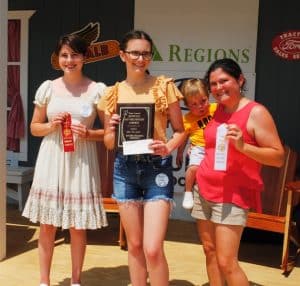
3,98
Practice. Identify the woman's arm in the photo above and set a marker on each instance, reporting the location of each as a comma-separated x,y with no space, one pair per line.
39,127
180,150
89,134
262,126
110,122
175,116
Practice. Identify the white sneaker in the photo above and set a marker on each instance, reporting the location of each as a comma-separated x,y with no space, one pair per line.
188,200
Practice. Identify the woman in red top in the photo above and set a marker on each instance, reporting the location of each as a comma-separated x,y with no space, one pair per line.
239,139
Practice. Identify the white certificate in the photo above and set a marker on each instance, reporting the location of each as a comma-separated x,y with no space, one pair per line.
137,147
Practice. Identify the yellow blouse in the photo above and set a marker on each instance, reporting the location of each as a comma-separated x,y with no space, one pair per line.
162,92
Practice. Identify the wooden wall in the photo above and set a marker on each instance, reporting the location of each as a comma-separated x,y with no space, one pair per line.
277,80
3,92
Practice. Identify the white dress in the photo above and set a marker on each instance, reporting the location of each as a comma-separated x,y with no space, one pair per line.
66,190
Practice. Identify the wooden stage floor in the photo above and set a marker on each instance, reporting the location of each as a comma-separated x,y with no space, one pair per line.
106,264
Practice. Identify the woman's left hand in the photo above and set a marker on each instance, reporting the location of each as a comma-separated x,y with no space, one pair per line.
159,148
80,130
235,135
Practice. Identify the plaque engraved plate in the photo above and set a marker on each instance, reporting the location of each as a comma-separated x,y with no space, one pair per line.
136,122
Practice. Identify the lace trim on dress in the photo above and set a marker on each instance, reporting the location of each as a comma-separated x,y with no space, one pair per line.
78,212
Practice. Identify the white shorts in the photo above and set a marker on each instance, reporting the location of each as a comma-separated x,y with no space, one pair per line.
196,155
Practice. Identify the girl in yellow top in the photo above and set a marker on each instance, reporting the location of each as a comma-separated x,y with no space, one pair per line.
201,111
143,183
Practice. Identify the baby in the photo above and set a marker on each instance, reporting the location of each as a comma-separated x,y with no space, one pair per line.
196,99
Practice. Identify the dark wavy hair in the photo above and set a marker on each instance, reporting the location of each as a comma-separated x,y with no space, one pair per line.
75,42
135,34
229,66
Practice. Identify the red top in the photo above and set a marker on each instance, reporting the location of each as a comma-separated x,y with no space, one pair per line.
241,183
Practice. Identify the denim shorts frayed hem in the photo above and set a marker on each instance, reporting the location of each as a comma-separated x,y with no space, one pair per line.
142,201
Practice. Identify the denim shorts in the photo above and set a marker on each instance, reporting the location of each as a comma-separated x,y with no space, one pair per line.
142,178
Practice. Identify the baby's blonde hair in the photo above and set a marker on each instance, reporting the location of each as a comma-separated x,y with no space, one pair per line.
192,87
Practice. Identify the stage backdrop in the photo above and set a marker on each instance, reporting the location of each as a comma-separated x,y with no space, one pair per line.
190,35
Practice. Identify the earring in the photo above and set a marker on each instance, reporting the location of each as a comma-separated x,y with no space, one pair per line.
241,92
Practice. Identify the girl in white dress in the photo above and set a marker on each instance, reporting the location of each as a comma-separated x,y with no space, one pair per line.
66,186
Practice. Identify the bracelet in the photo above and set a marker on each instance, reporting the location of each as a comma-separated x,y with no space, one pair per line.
87,133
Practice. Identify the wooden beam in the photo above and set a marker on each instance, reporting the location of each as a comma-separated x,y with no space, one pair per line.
3,103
